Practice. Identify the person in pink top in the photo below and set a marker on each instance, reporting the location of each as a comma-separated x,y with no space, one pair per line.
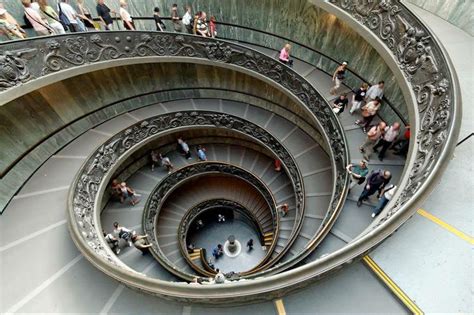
39,23
285,55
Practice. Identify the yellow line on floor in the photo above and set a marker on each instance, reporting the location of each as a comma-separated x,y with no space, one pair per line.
392,286
280,307
446,226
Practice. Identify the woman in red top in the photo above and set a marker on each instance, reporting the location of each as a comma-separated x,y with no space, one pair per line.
212,27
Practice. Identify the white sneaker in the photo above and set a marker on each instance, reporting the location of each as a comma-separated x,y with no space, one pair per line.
373,215
130,244
118,251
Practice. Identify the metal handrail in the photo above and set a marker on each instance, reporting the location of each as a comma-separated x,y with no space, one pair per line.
158,197
424,169
289,40
99,169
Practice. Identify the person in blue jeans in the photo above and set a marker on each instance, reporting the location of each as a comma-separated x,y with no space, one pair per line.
376,182
218,251
386,196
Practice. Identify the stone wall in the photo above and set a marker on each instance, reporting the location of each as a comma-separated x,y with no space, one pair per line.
457,12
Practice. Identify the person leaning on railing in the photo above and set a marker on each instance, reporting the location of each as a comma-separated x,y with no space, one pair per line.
160,26
178,27
85,14
188,21
75,23
103,11
126,17
9,29
33,15
212,27
285,55
52,17
201,26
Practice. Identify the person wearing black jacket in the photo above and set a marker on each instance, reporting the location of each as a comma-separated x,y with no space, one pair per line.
376,182
103,12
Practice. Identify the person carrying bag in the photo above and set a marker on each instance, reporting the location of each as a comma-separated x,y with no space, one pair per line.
64,20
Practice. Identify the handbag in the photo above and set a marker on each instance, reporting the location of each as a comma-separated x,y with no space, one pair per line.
361,180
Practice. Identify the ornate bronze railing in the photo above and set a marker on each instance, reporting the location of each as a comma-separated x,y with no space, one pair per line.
71,55
227,30
165,188
432,92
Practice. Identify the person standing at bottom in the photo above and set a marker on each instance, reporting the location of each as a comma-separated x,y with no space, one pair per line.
386,195
250,244
219,278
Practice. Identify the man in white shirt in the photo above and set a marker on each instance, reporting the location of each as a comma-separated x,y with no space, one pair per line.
188,20
71,15
375,91
390,135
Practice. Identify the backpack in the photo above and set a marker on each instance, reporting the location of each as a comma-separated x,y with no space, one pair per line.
27,22
63,18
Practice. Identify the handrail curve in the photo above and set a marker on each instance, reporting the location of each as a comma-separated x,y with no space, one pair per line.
207,205
176,179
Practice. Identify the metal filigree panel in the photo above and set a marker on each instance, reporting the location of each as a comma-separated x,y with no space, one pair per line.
102,161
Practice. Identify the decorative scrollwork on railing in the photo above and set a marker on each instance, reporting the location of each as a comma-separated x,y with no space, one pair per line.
92,174
61,53
161,192
426,68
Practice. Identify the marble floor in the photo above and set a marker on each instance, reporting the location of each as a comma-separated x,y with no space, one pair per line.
217,233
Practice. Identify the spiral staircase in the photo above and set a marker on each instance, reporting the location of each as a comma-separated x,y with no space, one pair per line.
247,110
